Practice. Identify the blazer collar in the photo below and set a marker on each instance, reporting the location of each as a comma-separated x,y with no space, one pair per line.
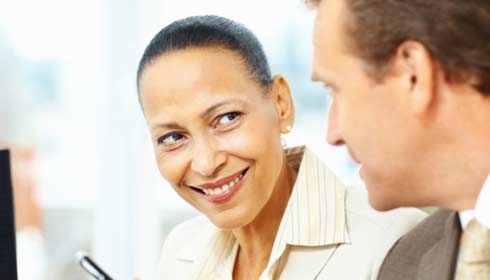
314,217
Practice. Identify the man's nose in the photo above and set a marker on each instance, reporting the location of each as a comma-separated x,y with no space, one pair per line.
334,135
207,158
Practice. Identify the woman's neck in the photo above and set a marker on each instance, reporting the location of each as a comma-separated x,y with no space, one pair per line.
257,238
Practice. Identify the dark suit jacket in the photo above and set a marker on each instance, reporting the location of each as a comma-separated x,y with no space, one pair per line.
428,251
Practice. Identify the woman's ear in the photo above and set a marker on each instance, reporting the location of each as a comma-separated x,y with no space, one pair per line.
415,66
283,102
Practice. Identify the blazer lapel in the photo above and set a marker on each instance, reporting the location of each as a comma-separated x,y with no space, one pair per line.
312,261
439,262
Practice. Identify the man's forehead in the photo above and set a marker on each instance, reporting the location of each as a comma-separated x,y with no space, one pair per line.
321,71
330,27
328,40
329,20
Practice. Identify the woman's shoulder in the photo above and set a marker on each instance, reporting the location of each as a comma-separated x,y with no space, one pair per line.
183,246
372,233
189,226
190,233
392,222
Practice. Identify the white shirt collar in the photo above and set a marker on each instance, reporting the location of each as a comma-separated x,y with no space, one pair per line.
482,208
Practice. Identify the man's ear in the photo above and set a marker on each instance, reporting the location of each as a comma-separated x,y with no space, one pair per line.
416,68
283,101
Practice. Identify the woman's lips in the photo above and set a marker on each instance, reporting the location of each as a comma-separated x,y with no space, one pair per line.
223,189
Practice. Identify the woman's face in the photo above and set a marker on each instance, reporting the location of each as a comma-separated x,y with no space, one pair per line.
215,131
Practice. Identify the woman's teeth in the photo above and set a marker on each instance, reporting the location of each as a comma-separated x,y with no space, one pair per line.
224,188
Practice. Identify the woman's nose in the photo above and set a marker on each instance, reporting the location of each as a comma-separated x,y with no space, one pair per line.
207,158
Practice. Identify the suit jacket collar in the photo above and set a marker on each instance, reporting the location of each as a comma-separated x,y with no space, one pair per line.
428,251
439,262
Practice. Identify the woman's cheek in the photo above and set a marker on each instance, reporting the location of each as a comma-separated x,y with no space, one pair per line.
246,141
171,169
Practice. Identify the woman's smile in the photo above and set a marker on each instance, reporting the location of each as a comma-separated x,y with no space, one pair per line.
223,189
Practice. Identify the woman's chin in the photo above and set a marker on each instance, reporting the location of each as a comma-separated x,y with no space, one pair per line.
229,222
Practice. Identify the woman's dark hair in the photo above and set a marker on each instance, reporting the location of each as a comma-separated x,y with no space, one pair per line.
209,31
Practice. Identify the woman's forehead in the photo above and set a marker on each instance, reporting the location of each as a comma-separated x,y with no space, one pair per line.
199,58
191,68
195,75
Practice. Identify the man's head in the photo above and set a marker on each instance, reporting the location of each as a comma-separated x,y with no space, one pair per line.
410,85
456,34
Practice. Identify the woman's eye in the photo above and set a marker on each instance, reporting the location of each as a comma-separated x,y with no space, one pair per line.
170,138
227,118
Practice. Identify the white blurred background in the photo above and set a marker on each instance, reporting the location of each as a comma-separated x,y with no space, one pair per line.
68,107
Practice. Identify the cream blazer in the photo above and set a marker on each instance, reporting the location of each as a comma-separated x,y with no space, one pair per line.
328,231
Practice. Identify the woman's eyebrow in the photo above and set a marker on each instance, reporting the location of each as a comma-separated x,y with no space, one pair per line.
169,125
204,114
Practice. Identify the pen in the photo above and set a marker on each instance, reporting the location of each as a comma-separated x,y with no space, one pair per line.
91,267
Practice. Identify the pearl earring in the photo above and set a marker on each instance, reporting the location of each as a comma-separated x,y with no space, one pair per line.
288,128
